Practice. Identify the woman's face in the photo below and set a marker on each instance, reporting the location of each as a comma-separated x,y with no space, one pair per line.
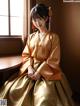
39,23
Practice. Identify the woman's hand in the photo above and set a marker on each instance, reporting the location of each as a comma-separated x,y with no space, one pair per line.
32,74
30,71
36,76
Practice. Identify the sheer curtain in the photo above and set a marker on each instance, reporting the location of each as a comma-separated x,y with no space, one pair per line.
28,4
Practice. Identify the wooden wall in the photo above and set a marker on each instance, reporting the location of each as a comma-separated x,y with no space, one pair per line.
66,23
10,46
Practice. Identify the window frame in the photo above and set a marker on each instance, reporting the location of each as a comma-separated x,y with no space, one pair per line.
9,26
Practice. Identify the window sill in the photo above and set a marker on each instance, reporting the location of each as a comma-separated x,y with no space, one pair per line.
11,37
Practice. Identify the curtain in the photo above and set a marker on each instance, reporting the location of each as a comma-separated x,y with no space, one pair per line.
28,4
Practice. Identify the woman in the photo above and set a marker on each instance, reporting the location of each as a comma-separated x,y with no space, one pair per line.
40,81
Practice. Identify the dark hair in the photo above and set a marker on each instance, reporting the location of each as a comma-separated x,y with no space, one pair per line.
40,11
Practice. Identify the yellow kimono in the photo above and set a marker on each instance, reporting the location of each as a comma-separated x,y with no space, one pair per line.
52,89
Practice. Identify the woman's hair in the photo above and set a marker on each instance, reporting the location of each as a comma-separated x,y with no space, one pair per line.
40,11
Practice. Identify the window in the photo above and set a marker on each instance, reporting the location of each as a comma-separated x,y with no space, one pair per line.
11,17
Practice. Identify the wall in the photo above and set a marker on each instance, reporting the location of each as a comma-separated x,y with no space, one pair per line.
66,22
10,46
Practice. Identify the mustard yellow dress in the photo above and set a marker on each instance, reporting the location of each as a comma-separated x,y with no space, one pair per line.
52,89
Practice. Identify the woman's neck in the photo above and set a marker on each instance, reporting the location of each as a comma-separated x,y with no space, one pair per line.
43,30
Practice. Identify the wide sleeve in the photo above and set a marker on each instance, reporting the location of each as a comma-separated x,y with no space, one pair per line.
50,67
26,58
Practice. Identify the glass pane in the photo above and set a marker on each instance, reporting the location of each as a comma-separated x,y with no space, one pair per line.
3,25
16,26
16,7
3,7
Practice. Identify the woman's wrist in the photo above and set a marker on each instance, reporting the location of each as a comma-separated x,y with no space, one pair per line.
30,70
29,67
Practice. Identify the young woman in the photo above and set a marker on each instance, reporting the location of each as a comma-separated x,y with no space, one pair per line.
40,81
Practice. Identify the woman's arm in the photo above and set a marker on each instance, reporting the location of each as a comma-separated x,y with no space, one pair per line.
26,58
50,67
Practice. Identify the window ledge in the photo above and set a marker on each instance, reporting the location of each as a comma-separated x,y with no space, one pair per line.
11,37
